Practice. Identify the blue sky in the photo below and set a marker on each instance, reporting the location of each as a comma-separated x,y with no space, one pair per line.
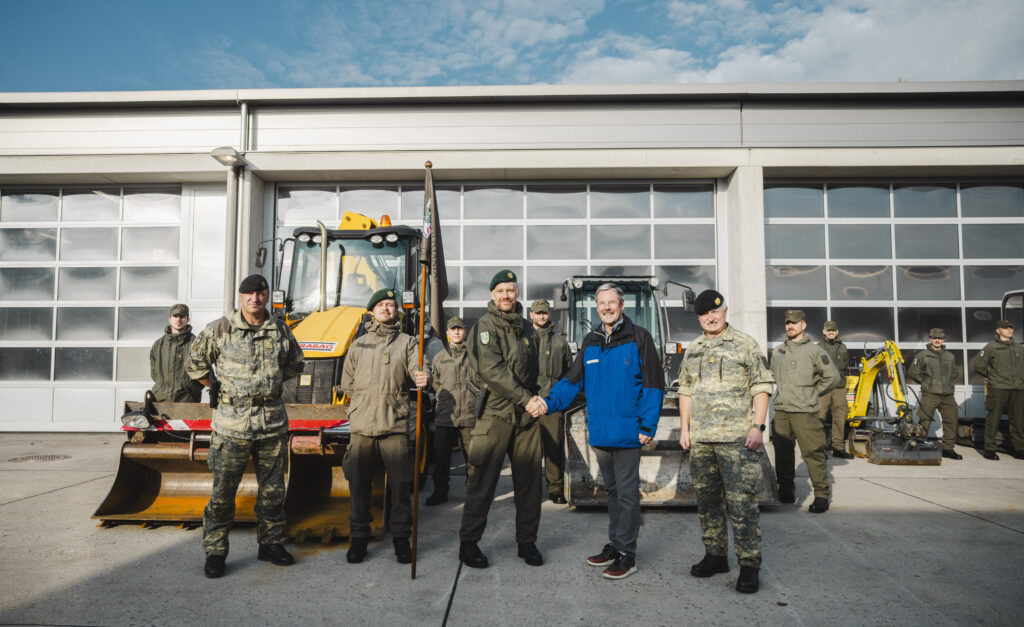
100,45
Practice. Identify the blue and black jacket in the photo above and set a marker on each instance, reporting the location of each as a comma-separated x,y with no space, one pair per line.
621,376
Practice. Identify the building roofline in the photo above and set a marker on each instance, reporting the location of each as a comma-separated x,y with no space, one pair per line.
539,94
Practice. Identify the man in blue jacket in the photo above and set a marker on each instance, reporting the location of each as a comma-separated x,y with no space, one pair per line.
619,371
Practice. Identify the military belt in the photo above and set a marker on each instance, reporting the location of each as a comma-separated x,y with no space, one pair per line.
252,401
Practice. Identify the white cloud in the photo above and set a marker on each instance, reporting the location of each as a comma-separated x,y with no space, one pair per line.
854,40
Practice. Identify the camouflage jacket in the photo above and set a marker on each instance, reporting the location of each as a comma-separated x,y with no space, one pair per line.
167,368
503,355
377,376
1002,363
935,370
722,375
250,364
803,373
454,401
554,357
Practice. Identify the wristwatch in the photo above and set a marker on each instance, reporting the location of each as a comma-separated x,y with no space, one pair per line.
760,426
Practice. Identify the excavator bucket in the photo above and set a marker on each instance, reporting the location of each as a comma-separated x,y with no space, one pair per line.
665,478
163,476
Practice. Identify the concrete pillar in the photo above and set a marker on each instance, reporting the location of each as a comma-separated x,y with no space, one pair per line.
250,226
741,255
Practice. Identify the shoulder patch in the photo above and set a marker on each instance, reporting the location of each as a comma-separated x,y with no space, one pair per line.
780,350
824,359
485,337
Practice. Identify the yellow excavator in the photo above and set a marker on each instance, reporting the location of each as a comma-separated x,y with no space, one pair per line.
162,476
875,433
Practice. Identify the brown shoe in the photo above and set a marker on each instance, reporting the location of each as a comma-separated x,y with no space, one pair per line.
605,557
622,567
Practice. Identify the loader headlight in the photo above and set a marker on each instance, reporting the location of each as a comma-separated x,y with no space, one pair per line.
136,420
317,239
391,238
304,238
377,239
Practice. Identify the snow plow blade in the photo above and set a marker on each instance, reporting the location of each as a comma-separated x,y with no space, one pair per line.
163,477
665,479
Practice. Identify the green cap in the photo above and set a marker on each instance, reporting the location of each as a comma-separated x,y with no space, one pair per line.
830,326
502,276
540,306
456,323
937,332
380,295
794,315
1004,324
179,310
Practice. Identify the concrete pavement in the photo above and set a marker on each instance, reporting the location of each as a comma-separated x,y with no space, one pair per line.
900,545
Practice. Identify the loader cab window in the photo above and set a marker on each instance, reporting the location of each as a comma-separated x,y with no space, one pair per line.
638,303
1013,310
356,269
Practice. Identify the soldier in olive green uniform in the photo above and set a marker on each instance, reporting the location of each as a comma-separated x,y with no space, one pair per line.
835,399
252,354
378,367
1001,362
503,352
803,373
167,360
555,359
453,412
724,386
935,369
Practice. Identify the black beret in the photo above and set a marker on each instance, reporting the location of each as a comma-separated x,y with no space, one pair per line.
706,301
380,295
252,283
502,276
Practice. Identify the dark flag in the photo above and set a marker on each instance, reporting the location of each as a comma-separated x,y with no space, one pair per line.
432,255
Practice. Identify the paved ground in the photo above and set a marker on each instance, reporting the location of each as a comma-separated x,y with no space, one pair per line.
901,545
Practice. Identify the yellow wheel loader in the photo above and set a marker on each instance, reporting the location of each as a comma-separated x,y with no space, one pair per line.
163,476
883,437
664,468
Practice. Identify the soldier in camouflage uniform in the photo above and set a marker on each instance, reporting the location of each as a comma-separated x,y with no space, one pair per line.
453,413
555,359
251,354
724,386
502,349
835,399
804,373
936,370
378,367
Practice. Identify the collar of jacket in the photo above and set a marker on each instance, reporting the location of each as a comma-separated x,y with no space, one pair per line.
545,331
835,341
617,329
456,349
727,336
238,322
513,319
383,330
936,350
790,342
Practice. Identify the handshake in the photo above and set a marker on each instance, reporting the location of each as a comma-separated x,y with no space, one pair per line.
537,407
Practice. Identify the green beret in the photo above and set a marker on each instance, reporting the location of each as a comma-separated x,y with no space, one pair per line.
502,276
380,295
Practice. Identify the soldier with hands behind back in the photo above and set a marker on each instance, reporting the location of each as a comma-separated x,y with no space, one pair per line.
936,370
453,413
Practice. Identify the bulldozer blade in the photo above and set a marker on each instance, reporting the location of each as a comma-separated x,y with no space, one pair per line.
891,450
665,478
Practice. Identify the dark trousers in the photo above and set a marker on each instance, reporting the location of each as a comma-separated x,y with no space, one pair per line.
620,468
790,429
360,464
444,439
552,437
1011,402
835,402
227,459
492,440
946,404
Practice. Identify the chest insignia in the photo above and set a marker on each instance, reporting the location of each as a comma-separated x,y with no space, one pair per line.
485,337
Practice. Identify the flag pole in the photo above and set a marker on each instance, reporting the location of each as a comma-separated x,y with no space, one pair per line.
419,420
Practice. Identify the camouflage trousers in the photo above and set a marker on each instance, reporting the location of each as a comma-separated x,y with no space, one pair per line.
726,478
228,459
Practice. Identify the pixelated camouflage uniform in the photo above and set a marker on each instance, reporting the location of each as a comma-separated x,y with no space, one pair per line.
721,375
250,363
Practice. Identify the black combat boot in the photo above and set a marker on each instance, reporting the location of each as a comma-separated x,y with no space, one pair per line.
528,551
951,454
214,566
357,550
819,506
275,554
710,565
748,581
472,556
403,552
438,497
991,455
787,494
839,453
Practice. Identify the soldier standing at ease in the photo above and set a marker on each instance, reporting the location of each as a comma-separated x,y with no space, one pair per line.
724,386
804,373
251,353
835,399
167,360
555,359
453,413
935,369
1001,362
377,369
502,349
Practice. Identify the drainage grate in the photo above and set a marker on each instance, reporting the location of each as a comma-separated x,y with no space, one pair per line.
39,458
